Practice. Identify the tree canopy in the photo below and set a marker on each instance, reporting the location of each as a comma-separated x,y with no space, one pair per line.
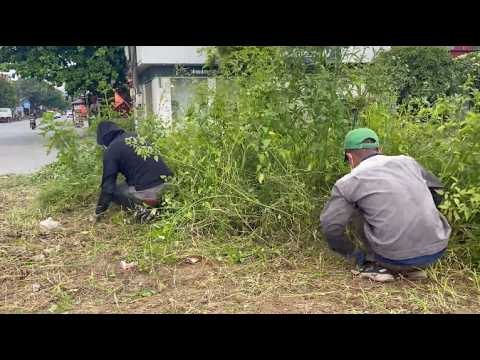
80,68
419,71
7,94
40,93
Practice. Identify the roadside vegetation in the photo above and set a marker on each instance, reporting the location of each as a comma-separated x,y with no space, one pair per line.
255,160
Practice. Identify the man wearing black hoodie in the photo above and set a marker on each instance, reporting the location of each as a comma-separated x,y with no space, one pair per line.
144,177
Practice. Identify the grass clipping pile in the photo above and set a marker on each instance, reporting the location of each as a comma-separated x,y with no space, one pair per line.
81,268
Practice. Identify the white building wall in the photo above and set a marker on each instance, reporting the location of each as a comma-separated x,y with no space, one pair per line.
156,95
170,55
10,75
164,100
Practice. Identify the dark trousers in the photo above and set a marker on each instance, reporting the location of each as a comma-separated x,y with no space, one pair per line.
357,226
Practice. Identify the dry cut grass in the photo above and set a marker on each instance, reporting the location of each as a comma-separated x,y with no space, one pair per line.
76,270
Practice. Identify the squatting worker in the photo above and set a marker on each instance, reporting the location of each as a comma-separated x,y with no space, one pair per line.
391,203
144,177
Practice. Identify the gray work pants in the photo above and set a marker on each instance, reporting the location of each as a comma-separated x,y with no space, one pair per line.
128,197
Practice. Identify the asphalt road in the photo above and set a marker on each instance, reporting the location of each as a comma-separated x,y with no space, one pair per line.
22,150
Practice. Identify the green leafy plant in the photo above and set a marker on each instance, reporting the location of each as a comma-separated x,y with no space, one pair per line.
80,68
8,97
419,71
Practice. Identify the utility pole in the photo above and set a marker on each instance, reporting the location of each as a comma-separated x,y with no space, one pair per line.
132,55
132,51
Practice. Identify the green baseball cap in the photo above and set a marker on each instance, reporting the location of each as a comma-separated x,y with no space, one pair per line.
355,138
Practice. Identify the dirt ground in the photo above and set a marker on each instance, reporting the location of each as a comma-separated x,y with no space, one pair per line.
76,270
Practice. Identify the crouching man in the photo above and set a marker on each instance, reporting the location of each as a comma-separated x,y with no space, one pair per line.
144,177
391,203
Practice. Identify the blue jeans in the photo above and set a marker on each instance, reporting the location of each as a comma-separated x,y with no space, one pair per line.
421,262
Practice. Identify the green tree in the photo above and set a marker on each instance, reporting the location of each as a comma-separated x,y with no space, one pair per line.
55,99
468,66
8,97
80,68
40,93
238,57
419,71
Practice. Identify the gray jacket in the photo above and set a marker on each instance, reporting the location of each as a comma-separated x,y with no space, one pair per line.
392,195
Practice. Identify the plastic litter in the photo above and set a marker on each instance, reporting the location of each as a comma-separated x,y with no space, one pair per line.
124,266
193,259
50,225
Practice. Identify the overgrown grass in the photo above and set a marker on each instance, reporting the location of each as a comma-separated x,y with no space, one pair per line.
256,158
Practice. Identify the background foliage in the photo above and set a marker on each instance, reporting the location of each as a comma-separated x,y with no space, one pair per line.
8,97
419,71
80,68
40,93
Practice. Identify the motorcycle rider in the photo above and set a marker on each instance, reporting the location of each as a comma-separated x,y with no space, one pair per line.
33,121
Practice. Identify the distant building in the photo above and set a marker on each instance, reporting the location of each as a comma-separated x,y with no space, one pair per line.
26,105
163,78
10,75
462,50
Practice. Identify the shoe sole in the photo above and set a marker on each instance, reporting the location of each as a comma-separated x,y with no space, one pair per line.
378,277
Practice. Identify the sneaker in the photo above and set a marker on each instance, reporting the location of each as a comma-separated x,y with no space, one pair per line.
376,273
143,215
415,275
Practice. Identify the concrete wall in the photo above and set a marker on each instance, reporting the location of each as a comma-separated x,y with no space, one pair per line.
183,92
169,55
165,101
156,95
171,96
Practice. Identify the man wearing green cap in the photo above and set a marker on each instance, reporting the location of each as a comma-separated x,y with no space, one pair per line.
391,203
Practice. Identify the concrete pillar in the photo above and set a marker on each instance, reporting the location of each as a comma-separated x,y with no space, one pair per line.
165,101
212,86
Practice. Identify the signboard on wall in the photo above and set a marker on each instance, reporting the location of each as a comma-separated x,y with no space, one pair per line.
194,70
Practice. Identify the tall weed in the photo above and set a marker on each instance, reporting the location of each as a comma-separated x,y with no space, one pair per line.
255,159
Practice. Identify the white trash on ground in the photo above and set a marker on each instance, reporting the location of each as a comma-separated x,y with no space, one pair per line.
124,266
49,225
193,259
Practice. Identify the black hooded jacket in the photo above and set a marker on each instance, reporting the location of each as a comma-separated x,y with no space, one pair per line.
121,158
